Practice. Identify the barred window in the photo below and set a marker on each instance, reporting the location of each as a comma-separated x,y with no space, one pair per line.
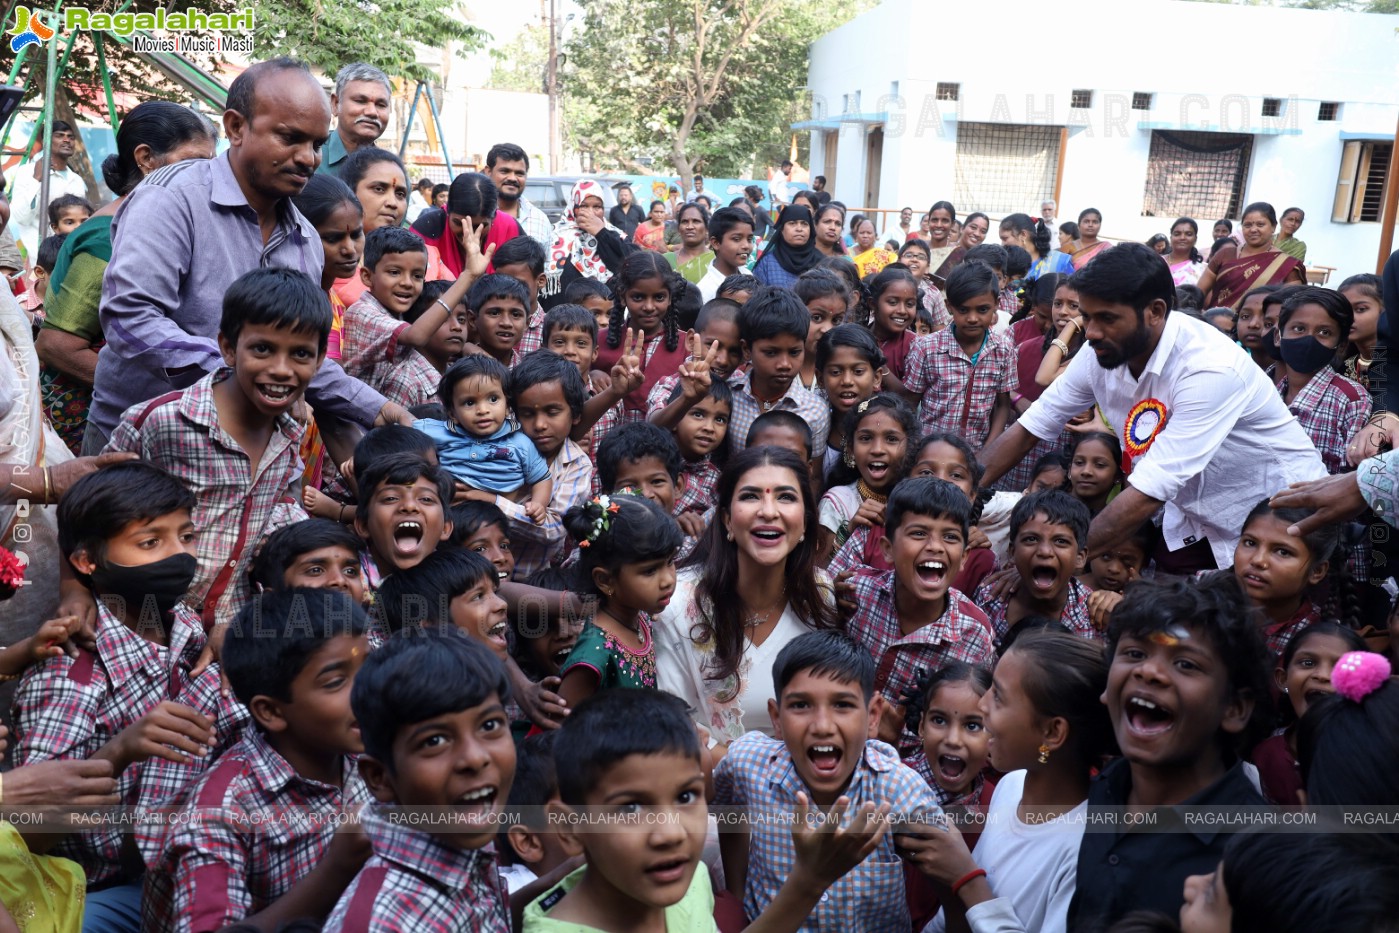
948,90
1141,101
1196,174
1360,188
1081,99
1328,110
1004,168
1272,107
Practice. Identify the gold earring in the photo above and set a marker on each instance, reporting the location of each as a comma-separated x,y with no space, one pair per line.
1044,754
850,459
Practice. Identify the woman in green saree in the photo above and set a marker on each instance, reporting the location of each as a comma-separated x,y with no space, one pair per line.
154,134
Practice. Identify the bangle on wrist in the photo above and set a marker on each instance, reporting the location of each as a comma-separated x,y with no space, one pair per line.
967,879
1063,347
48,487
444,306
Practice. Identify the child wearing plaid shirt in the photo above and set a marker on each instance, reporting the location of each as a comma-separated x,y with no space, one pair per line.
231,437
571,332
910,618
379,346
135,699
961,378
523,259
700,435
643,459
420,695
547,396
1048,540
243,852
822,758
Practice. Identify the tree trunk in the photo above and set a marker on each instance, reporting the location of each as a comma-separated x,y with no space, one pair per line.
80,163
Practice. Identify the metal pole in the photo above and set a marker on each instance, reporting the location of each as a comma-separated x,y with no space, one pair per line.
553,87
1059,166
441,137
412,113
1391,207
50,96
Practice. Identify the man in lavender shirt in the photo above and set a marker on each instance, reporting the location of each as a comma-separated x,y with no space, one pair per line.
190,229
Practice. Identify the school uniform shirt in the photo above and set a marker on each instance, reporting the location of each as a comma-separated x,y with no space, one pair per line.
501,463
1139,870
370,351
533,337
236,507
758,773
537,545
959,393
810,406
1031,866
693,913
698,481
256,827
604,425
1075,614
415,884
896,350
961,633
68,708
1228,439
1331,409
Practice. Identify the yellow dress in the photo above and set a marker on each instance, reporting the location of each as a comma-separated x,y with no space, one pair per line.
42,893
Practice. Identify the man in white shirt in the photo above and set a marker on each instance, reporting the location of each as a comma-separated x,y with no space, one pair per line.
1047,210
777,188
29,220
507,166
1204,431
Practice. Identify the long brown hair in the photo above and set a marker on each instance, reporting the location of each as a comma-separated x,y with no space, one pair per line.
722,616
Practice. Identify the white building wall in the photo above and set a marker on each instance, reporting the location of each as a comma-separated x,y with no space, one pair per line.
1206,65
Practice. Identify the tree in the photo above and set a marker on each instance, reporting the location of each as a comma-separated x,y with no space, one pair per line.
522,64
325,35
696,83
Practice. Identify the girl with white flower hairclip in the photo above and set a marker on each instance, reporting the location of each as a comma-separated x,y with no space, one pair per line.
627,547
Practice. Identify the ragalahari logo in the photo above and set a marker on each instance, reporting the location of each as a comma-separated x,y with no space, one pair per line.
28,29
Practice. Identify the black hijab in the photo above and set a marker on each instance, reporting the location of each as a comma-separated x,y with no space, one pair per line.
795,259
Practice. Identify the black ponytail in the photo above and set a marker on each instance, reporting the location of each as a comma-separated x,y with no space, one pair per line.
1041,237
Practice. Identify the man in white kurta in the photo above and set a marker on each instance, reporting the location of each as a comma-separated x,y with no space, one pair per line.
1203,430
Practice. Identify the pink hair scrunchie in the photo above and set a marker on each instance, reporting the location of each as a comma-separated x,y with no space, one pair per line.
1359,673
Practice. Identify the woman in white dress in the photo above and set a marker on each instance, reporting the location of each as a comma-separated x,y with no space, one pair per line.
751,586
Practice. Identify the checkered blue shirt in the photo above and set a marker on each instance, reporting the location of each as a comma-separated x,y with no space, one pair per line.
415,884
1075,615
812,406
758,773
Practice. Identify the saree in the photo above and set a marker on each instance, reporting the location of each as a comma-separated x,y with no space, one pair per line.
1082,257
652,238
1186,272
949,262
75,291
873,261
1237,276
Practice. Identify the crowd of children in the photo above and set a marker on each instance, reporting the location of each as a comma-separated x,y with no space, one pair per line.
444,674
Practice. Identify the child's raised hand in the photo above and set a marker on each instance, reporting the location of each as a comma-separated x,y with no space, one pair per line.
870,513
976,538
891,721
171,731
534,512
627,374
825,850
694,373
79,602
1101,603
349,849
213,647
1003,582
474,262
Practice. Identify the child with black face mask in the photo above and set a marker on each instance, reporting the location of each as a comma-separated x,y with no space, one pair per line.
135,700
1312,330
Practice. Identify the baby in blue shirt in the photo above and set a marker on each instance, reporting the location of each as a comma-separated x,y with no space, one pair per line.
479,444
